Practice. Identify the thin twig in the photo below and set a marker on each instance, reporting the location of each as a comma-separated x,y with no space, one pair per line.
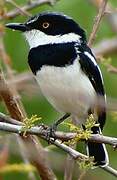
97,22
29,6
110,170
111,13
24,12
83,173
25,83
69,166
105,47
76,155
9,100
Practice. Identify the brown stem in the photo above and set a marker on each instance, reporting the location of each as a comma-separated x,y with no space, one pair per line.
97,22
24,12
9,100
105,47
14,13
111,13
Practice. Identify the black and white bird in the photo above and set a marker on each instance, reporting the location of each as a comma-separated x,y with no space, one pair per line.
66,71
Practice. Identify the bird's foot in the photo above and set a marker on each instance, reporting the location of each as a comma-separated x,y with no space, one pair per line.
51,130
51,133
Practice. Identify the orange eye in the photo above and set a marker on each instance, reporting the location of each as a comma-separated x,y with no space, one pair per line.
45,25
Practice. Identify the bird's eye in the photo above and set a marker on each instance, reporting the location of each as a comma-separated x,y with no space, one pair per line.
45,25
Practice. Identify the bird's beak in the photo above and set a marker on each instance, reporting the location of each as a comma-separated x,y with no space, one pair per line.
17,26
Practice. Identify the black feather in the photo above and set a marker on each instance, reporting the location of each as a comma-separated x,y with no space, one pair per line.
59,55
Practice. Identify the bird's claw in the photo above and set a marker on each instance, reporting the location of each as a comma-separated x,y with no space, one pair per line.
51,133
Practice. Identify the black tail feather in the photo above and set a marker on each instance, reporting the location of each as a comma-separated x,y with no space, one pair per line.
97,150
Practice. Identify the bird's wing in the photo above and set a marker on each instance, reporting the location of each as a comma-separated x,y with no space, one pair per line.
91,69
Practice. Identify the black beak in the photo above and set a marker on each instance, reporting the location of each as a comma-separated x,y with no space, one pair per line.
17,26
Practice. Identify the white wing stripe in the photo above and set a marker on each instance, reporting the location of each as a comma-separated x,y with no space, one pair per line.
91,57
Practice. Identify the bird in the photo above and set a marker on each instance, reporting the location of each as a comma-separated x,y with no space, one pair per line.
67,72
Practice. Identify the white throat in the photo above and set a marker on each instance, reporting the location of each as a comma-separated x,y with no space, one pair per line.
36,38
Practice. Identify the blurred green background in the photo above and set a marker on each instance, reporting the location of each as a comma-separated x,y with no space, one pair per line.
84,13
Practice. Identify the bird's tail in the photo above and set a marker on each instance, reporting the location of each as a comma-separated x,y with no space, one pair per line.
97,150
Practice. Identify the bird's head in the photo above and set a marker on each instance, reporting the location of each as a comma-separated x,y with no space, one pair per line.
50,28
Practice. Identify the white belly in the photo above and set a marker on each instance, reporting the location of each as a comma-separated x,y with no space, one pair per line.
68,89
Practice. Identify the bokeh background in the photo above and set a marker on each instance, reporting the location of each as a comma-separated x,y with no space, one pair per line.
84,12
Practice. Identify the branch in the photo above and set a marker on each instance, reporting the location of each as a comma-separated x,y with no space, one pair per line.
111,68
42,133
111,13
69,162
110,170
69,165
73,153
16,127
97,22
24,12
33,4
105,47
9,100
25,83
